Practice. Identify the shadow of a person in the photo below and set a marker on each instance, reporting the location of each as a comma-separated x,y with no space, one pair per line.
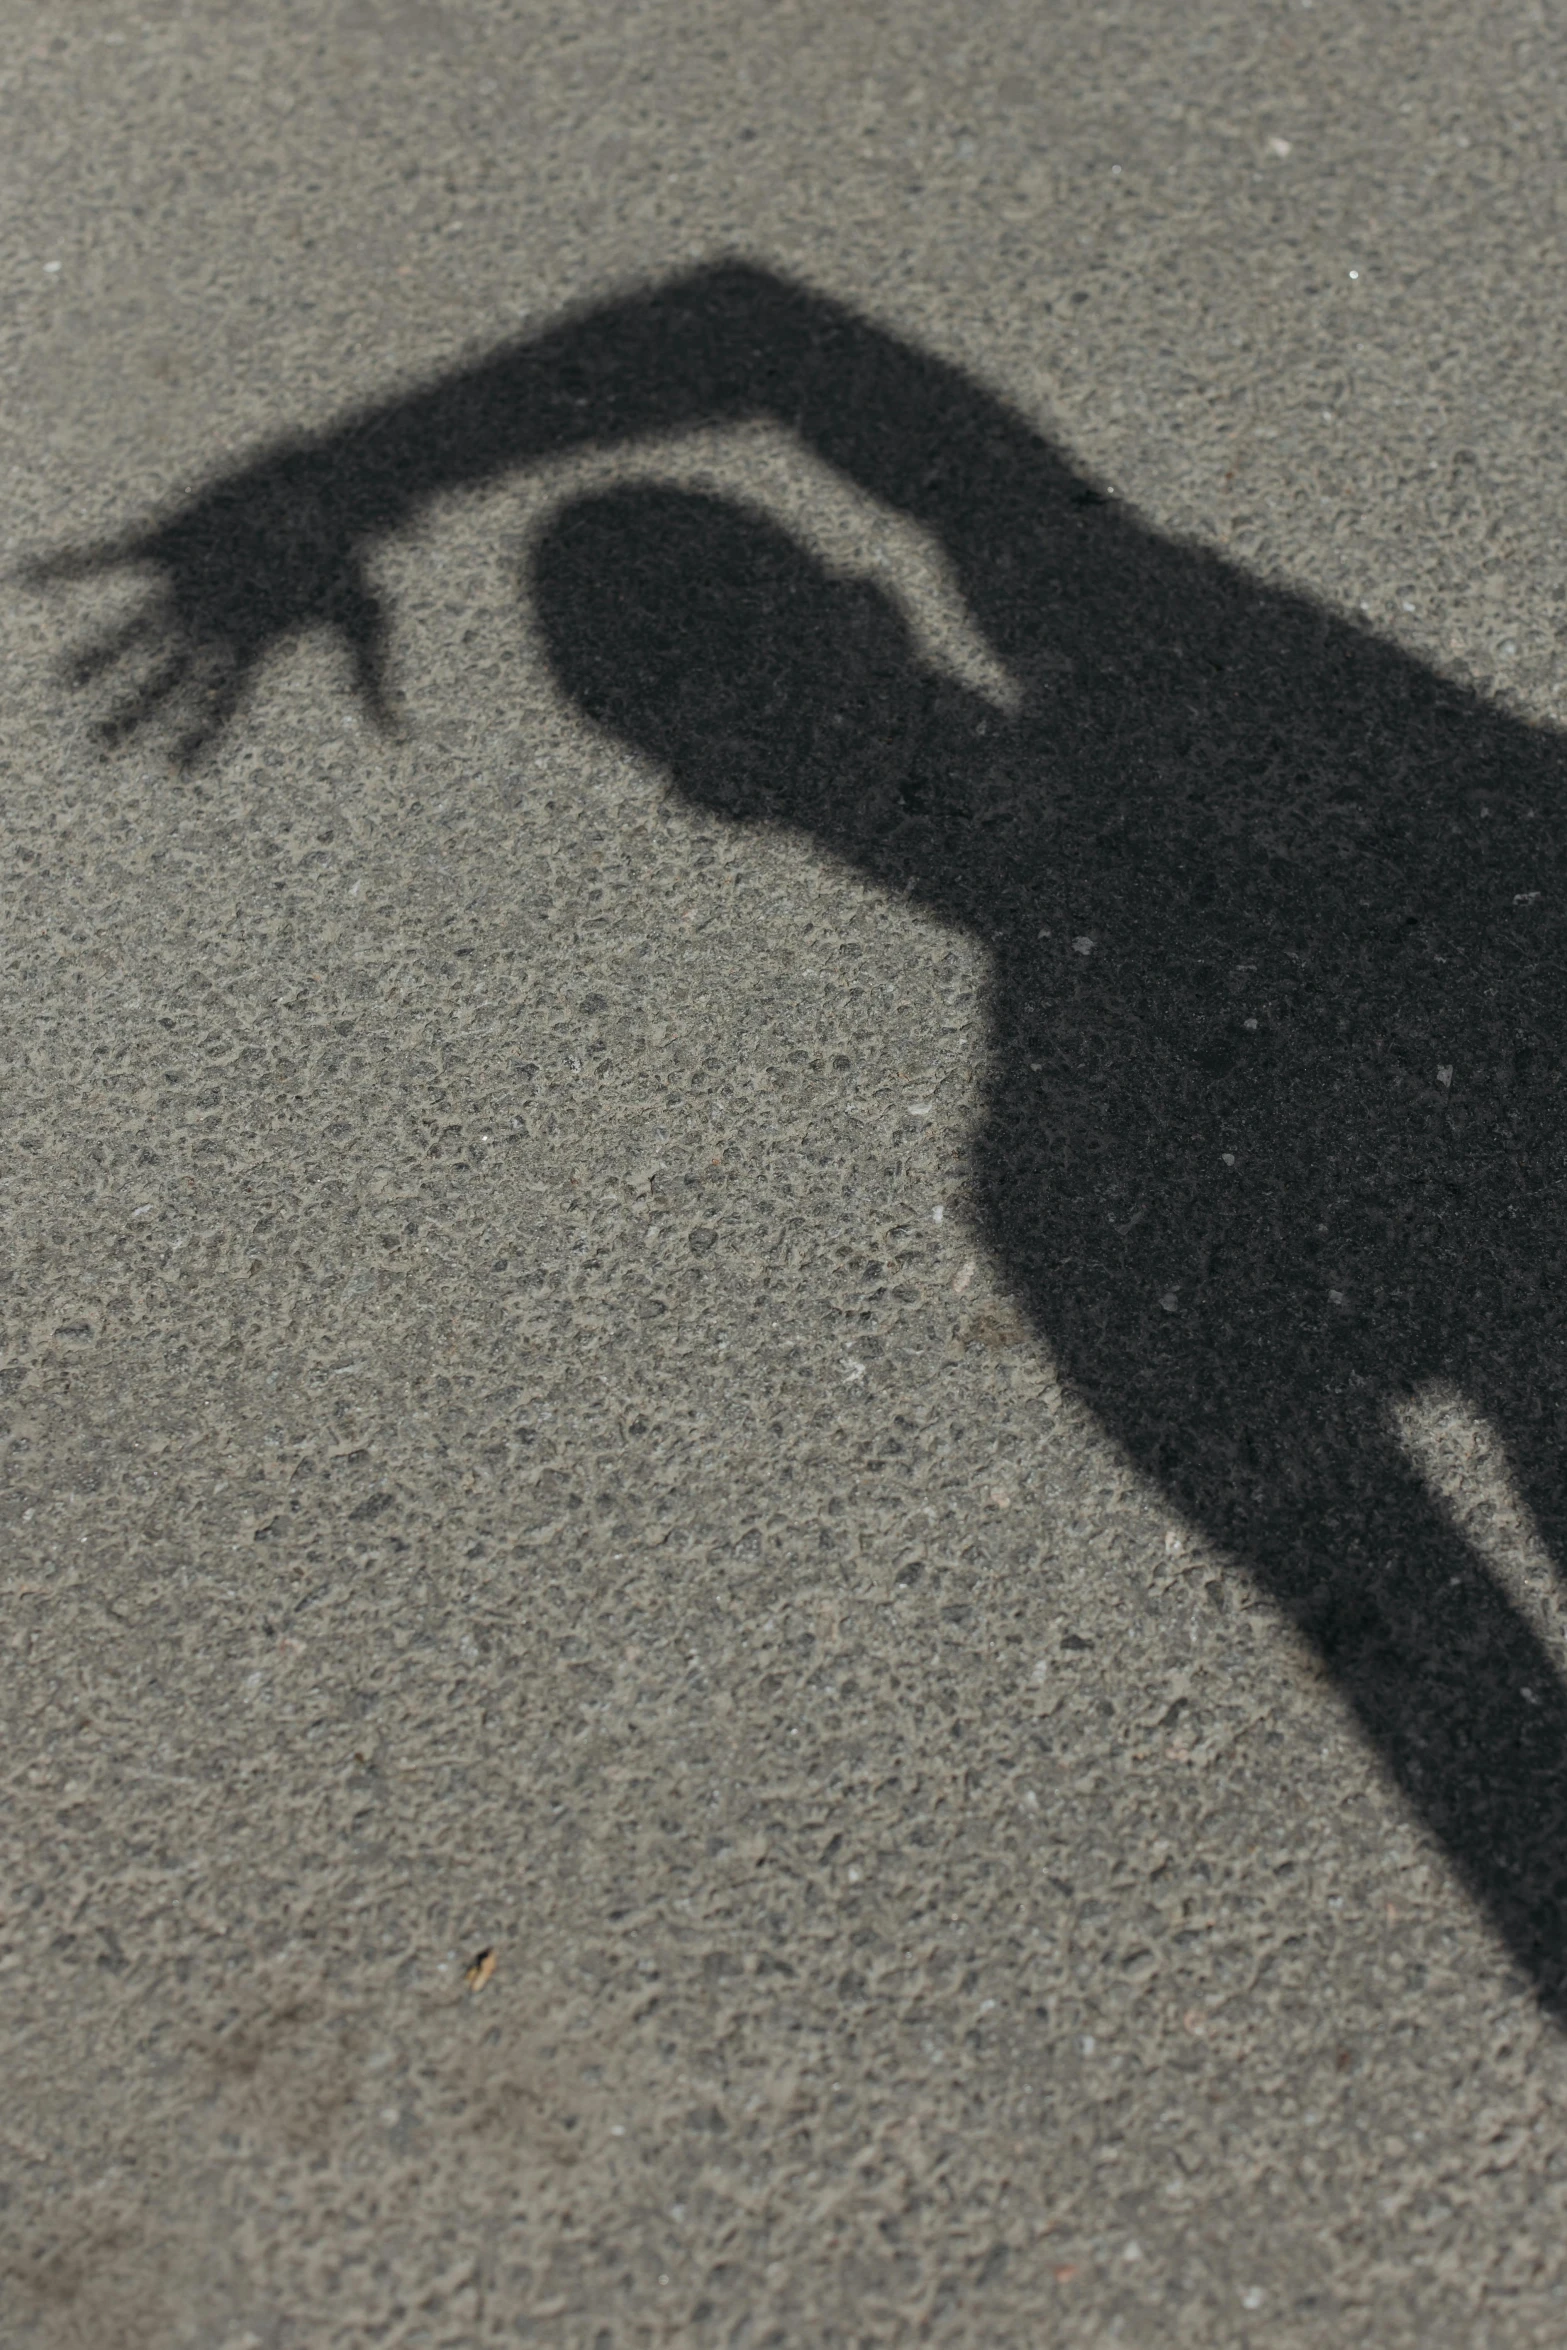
1275,1134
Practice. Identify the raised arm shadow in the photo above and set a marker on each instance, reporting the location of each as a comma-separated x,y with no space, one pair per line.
282,545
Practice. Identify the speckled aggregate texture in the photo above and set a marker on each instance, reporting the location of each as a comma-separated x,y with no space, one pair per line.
518,1435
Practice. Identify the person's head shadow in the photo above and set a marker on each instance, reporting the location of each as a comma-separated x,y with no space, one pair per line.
1274,1135
771,690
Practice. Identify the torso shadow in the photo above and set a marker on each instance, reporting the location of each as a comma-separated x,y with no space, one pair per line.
1275,1133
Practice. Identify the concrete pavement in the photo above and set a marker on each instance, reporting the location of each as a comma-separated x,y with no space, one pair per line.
531,1428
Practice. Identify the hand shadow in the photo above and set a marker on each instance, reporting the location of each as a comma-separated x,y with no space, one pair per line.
1275,1136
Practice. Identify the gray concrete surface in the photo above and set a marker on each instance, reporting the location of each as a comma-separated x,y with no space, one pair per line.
521,1433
